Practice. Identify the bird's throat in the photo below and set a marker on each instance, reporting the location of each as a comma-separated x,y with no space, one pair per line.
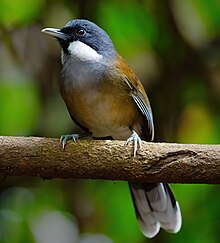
83,52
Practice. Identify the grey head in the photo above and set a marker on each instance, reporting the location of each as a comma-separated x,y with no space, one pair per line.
84,40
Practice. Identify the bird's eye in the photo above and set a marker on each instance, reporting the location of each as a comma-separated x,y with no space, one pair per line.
80,32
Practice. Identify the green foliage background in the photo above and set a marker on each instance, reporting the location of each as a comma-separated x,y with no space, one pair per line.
174,48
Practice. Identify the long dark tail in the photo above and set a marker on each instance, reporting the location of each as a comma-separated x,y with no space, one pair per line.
155,207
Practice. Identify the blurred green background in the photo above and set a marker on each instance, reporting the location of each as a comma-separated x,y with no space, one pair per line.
174,48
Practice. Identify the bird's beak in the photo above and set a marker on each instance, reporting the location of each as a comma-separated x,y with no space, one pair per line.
55,32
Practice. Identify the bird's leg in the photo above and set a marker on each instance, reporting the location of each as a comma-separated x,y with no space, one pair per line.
74,137
136,141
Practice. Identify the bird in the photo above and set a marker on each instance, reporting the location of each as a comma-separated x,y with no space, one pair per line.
106,100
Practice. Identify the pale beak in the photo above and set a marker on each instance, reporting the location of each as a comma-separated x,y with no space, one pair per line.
55,32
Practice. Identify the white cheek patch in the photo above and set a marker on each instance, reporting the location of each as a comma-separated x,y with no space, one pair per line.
83,51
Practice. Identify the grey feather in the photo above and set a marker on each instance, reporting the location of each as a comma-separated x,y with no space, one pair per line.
145,108
155,207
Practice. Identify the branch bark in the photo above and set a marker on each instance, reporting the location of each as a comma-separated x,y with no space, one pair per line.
111,160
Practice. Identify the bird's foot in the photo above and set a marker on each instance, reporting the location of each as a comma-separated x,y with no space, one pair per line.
65,138
74,137
136,141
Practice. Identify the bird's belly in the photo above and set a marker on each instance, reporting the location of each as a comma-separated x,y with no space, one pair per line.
103,114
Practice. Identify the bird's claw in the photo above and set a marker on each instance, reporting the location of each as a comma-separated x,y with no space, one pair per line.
65,138
136,141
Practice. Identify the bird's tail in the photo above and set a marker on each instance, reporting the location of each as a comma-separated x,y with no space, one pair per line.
155,207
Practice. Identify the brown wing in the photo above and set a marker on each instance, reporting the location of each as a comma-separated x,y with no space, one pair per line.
137,92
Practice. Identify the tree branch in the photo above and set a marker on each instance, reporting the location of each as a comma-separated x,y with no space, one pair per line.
111,160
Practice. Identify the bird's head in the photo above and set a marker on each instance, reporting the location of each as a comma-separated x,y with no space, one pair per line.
84,40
